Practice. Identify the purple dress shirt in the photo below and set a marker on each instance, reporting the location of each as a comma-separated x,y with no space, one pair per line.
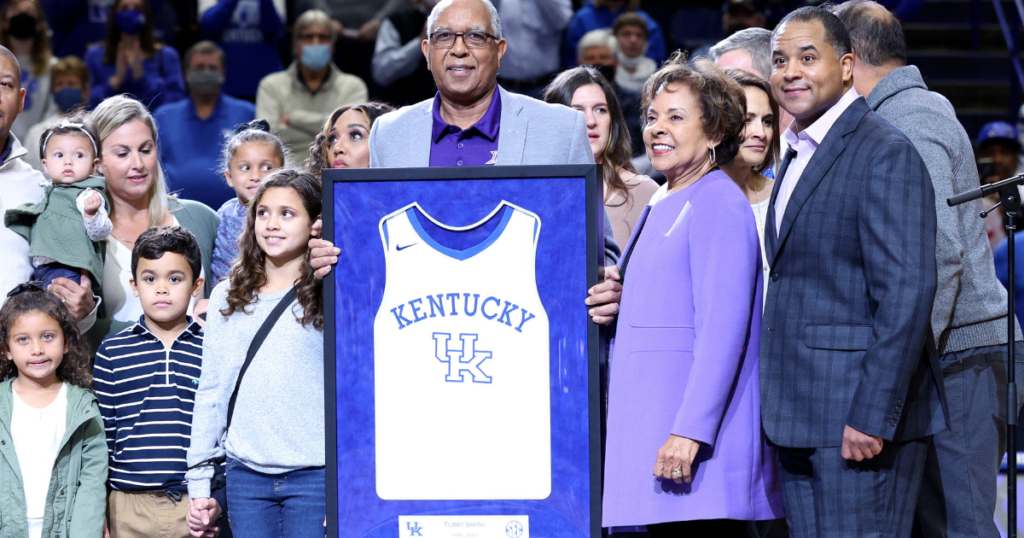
684,361
476,146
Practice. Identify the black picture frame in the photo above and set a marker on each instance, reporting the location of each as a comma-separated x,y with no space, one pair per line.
595,259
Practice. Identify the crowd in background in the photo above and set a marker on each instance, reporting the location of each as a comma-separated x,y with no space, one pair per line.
165,206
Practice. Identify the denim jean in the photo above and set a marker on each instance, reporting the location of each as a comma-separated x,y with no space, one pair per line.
290,505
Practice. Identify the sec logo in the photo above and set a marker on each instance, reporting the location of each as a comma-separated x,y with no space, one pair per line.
514,529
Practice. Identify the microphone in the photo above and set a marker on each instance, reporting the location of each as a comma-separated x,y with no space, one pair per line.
984,190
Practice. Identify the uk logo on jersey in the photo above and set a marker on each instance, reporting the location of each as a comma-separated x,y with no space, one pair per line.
468,359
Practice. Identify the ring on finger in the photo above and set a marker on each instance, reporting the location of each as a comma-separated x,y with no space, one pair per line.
63,299
677,473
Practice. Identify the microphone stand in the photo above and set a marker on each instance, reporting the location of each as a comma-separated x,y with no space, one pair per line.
1009,199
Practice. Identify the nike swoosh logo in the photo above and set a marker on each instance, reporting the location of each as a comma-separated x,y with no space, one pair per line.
400,247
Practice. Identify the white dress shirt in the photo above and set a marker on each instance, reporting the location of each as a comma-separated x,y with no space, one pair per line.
805,143
37,434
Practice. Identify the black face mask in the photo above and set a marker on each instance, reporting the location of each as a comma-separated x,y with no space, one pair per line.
23,26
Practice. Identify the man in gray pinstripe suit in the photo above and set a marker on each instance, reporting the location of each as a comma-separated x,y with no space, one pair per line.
849,377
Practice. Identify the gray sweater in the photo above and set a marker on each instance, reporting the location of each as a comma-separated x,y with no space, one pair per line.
278,423
970,304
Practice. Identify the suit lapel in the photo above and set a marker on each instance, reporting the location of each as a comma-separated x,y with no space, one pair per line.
771,235
422,130
826,154
512,134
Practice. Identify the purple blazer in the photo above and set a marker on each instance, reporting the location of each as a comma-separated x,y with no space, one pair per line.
684,361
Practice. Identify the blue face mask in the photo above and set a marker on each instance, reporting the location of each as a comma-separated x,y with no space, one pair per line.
68,99
316,57
130,21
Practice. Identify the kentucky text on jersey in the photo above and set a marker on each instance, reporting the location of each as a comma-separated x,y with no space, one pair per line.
465,304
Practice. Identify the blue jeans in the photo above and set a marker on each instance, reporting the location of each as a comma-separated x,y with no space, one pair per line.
290,505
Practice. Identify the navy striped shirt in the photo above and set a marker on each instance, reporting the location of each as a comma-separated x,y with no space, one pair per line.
146,392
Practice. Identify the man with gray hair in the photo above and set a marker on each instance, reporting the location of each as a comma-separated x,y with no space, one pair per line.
750,50
968,319
472,121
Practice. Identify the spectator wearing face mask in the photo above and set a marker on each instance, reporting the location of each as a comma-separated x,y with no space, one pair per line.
23,30
634,68
69,91
247,30
597,14
597,48
132,62
192,131
297,100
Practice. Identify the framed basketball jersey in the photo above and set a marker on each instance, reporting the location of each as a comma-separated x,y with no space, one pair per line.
477,312
461,366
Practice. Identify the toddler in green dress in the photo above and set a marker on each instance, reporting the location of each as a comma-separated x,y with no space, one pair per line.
66,228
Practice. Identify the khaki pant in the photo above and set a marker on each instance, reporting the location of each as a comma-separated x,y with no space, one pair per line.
146,515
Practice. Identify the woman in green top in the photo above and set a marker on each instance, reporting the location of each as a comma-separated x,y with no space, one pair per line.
139,199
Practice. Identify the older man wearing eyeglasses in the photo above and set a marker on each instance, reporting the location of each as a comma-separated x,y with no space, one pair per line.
472,121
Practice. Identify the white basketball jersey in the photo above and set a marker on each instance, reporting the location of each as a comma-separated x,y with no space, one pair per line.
461,365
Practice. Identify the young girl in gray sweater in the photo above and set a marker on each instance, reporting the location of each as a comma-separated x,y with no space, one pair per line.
275,444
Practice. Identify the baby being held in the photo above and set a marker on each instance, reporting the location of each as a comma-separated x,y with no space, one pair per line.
66,227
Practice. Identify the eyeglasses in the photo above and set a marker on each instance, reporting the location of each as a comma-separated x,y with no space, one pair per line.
444,39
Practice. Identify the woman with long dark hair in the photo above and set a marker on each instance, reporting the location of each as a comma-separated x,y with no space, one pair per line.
132,62
759,149
344,141
625,191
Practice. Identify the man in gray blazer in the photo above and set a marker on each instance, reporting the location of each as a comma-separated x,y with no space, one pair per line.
472,121
968,321
849,390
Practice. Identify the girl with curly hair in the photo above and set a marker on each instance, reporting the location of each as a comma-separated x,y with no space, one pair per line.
345,139
271,440
50,417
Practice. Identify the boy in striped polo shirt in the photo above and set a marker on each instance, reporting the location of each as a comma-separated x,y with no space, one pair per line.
145,379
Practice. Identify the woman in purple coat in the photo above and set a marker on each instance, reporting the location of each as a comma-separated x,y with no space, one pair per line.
685,452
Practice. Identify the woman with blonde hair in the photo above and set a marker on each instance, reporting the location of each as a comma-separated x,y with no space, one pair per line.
23,30
139,200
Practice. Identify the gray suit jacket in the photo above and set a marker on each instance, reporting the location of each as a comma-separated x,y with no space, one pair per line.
845,337
970,303
532,133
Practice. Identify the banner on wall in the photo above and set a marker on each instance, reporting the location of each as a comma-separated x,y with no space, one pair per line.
463,389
